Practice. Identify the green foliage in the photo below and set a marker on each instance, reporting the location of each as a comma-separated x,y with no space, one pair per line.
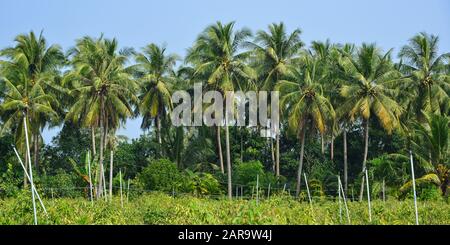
70,142
9,182
62,184
161,175
246,172
97,92
429,192
159,208
200,184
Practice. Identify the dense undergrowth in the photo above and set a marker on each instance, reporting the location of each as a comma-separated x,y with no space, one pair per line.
158,208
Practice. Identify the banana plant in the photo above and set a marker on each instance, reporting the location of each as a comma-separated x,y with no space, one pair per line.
82,170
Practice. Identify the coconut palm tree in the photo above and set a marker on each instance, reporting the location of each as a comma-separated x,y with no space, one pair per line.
305,103
342,119
113,141
23,101
368,79
36,63
429,85
324,52
275,51
216,56
154,68
431,144
103,86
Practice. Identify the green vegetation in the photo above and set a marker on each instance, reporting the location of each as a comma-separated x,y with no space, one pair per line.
344,109
163,209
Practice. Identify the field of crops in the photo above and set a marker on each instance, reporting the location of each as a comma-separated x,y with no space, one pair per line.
163,209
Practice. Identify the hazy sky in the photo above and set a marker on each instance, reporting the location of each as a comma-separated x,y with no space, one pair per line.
136,23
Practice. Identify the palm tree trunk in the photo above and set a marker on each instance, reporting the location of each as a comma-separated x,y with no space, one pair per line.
366,149
242,145
93,141
36,151
300,165
158,134
219,146
278,153
158,130
105,132
25,180
102,144
344,136
227,142
180,131
272,155
332,148
322,142
429,98
111,174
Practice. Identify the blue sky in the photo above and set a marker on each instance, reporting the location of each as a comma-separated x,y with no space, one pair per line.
136,23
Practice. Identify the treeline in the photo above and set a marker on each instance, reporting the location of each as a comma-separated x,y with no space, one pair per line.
344,109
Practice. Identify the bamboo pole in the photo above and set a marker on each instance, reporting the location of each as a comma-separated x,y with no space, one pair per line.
414,187
120,182
345,200
307,190
340,205
353,195
31,170
257,189
104,185
368,196
111,161
90,177
128,189
29,179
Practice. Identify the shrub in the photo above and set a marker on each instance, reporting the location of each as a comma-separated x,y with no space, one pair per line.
9,182
161,175
200,184
429,192
62,184
246,172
